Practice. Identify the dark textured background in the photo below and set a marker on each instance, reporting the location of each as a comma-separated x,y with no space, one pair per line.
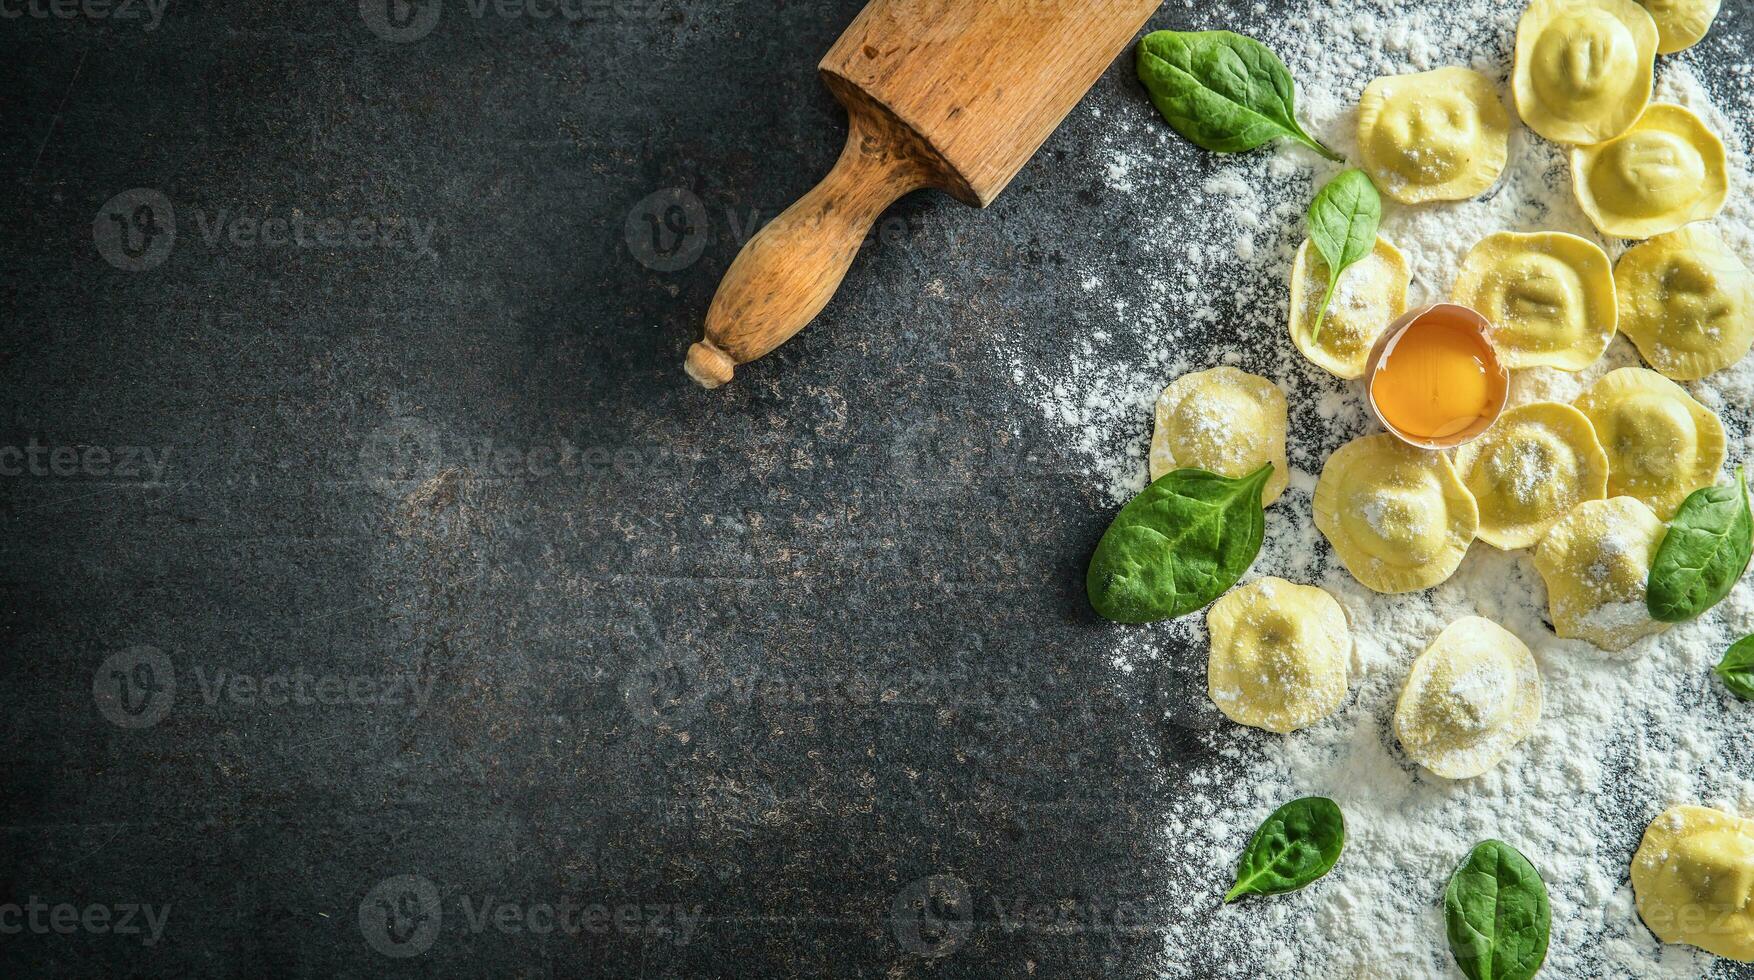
801,654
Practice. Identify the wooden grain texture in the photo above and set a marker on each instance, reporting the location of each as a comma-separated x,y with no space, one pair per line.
983,82
952,94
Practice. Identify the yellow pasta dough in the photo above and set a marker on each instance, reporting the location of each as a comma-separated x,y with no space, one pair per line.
1225,421
1693,879
1439,135
1664,172
1681,23
1372,294
1469,699
1549,297
1661,444
1531,469
1279,655
1398,517
1595,562
1583,67
1687,302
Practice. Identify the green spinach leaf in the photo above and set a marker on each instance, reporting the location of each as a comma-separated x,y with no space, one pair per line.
1178,546
1497,912
1296,845
1736,669
1342,223
1223,91
1703,555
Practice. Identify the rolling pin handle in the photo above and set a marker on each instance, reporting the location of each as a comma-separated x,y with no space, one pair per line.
789,271
709,365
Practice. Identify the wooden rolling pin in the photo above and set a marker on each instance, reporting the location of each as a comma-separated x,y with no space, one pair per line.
952,94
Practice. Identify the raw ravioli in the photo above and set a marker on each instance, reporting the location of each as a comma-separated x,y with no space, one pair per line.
1439,135
1583,67
1661,444
1681,23
1279,655
1530,469
1666,171
1693,879
1224,421
1686,302
1595,563
1372,293
1549,296
1398,517
1469,699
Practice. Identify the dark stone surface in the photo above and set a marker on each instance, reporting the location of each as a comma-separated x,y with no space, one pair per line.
788,656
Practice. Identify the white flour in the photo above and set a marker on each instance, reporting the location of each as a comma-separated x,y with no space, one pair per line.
1622,735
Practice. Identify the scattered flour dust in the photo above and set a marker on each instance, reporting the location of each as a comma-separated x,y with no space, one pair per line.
1622,735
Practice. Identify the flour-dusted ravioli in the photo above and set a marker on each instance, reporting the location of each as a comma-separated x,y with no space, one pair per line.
1279,655
1372,294
1583,67
1549,297
1531,469
1661,444
1681,23
1693,879
1469,699
1398,517
1666,171
1687,302
1224,421
1439,135
1595,562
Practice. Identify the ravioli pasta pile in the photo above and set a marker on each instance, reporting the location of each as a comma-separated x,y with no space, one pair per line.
1587,488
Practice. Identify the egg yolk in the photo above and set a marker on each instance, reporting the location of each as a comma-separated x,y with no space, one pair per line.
1438,378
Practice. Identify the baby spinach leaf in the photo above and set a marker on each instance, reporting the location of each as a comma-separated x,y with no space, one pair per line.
1298,844
1223,91
1177,546
1703,555
1342,223
1736,669
1497,913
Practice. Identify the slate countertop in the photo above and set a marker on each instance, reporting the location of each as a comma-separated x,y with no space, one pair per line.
380,598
